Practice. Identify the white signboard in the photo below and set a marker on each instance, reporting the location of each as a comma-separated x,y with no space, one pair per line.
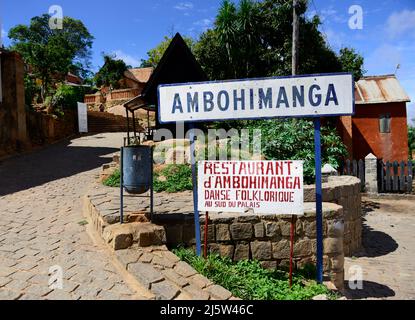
302,96
266,187
82,117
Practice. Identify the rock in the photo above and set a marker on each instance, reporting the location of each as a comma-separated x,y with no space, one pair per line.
196,293
145,273
226,250
241,252
164,290
281,249
302,248
184,269
261,250
259,230
272,229
333,245
241,231
219,292
200,281
222,232
211,232
320,297
175,277
148,234
270,265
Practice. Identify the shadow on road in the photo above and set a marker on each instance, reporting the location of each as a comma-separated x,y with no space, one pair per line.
370,290
52,163
376,243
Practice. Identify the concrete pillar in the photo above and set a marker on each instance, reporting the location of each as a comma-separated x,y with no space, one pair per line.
327,171
371,173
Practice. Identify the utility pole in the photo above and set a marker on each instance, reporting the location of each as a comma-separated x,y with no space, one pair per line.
296,32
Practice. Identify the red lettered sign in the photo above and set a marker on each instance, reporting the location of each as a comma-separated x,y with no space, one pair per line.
266,187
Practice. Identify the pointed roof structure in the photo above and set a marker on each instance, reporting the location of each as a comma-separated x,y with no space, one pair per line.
178,65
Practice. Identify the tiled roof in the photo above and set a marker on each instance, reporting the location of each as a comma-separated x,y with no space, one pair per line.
139,74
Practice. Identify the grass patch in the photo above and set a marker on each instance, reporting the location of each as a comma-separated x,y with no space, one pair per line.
172,178
113,180
249,281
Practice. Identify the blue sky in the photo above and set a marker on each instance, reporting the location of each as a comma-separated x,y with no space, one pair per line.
129,28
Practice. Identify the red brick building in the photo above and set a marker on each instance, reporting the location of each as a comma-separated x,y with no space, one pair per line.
379,125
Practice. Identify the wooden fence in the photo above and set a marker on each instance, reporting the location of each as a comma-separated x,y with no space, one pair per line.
395,176
354,168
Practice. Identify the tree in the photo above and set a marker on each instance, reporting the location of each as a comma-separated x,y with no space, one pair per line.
254,39
155,54
352,62
111,72
411,139
52,53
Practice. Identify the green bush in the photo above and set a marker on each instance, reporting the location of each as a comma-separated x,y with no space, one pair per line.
113,180
294,140
249,281
176,178
173,178
67,97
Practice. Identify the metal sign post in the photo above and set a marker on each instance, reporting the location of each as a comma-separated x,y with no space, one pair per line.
194,182
319,200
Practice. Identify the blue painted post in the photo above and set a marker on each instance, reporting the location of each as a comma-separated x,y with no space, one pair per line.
319,202
195,195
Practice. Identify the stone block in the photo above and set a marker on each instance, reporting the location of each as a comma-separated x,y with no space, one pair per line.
219,292
285,227
241,252
333,245
310,229
196,293
270,265
148,234
248,218
226,250
145,273
200,281
281,249
210,234
259,230
302,248
272,229
337,262
241,231
164,290
183,269
222,232
175,277
261,250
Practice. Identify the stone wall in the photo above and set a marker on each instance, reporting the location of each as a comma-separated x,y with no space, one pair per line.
344,191
13,135
267,238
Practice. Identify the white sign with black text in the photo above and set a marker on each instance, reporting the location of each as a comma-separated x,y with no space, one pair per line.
300,96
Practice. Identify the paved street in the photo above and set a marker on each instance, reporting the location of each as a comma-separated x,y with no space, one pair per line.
388,258
41,224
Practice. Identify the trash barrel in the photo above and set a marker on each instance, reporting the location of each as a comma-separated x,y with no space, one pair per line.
137,163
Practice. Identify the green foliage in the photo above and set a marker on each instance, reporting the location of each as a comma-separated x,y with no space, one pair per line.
294,140
155,54
111,72
254,39
352,62
52,53
249,281
113,180
67,97
173,178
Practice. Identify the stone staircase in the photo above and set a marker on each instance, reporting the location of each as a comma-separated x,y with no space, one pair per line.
107,122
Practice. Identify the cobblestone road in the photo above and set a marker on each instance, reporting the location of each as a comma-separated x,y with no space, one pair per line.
388,258
41,224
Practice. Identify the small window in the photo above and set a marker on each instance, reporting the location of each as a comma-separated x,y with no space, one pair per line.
385,123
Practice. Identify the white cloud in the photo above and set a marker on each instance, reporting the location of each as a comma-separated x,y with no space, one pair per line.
410,108
401,23
184,6
204,23
128,59
3,33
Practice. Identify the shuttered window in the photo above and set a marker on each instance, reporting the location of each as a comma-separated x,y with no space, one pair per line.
385,123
